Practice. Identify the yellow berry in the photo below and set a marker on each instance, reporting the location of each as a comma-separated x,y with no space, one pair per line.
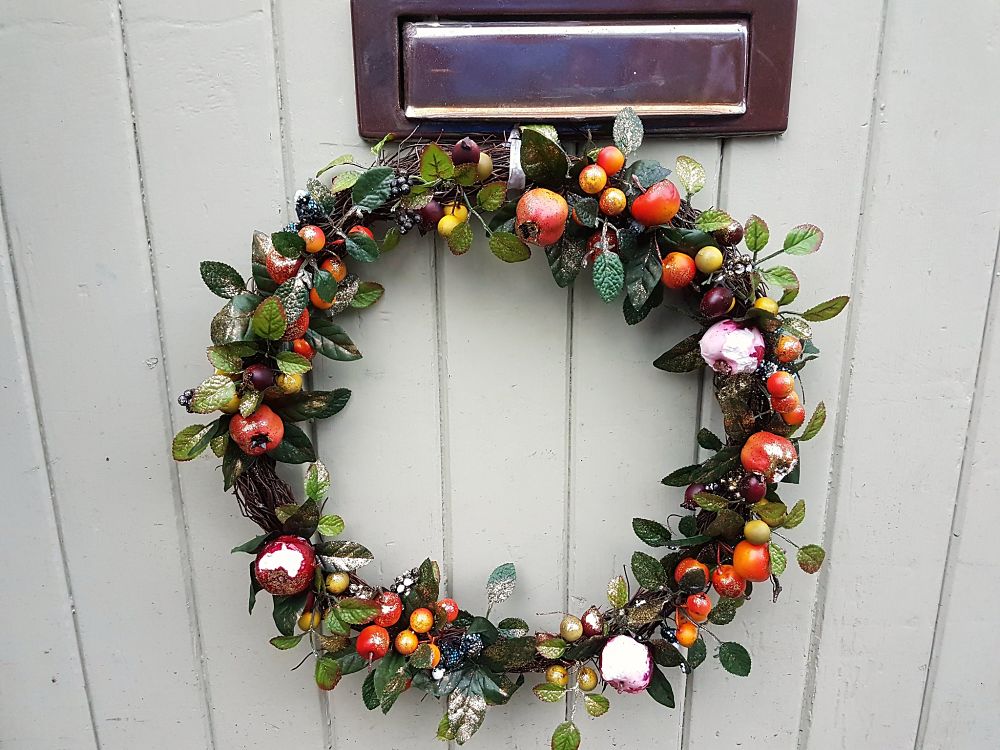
557,675
288,383
309,619
447,224
485,167
231,406
757,532
767,304
456,209
571,628
709,259
586,678
337,583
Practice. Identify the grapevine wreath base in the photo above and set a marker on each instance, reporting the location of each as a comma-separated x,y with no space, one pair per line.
621,219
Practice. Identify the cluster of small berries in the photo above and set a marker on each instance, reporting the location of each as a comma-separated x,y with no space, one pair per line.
186,398
405,220
399,186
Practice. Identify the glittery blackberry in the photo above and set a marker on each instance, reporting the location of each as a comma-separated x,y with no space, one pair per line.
307,209
451,654
404,582
472,644
405,221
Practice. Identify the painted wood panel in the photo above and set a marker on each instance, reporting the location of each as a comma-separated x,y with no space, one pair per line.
74,215
916,333
45,667
207,106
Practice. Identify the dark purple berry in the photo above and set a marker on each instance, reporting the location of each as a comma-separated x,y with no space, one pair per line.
689,493
466,151
717,302
430,215
261,377
730,235
753,488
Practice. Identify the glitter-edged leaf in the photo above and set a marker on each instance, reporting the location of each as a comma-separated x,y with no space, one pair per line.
500,584
810,557
627,131
343,556
690,174
803,240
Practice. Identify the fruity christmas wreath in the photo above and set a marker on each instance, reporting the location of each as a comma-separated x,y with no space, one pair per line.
621,218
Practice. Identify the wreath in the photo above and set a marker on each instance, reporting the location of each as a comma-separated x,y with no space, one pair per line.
621,218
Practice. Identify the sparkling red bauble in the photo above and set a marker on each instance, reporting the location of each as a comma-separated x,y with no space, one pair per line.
298,328
450,609
727,582
373,642
285,566
772,456
390,609
593,622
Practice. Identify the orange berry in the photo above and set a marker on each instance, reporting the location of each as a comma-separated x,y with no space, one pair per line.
612,202
687,634
752,561
314,238
784,404
795,417
303,347
407,642
435,654
611,160
422,620
689,563
787,349
781,383
336,267
698,606
593,179
318,302
678,270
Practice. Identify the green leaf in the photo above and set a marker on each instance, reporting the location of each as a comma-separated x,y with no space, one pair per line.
466,175
549,131
214,393
727,524
810,558
566,260
302,522
428,586
566,737
377,148
356,611
229,357
816,422
460,239
796,327
642,274
328,672
549,693
491,196
713,220
221,279
508,247
444,731
321,194
708,501
423,657
368,694
194,439
659,689
391,239
330,340
690,174
268,320
291,363
796,515
685,356
288,244
826,310
513,627
771,512
618,592
361,247
542,159
325,285
552,648
756,234
778,559
648,571
781,276
285,642
435,164
219,444
692,541
312,405
609,275
803,240
685,240
717,466
286,611
596,705
317,482
688,525
709,440
295,448
330,525
344,181
734,659
724,611
653,533
627,131
342,159
500,584
250,401
585,211
697,653
371,189
466,711
681,477
253,546
369,292
335,625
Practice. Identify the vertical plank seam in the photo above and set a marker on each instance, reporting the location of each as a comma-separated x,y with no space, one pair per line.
328,731
180,515
829,519
18,309
959,508
687,704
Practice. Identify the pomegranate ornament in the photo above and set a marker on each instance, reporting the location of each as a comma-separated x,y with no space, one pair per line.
285,566
259,433
772,456
541,217
626,665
